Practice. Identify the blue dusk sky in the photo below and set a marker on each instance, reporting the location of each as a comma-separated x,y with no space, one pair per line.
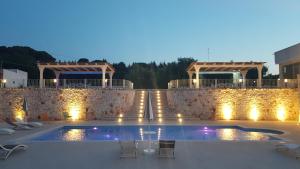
152,30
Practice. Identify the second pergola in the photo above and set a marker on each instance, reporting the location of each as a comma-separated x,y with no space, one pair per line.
242,67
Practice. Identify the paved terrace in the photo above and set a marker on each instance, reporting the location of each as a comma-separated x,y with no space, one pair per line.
202,154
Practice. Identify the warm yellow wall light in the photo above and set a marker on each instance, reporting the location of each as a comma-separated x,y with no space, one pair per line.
74,112
281,115
254,113
227,111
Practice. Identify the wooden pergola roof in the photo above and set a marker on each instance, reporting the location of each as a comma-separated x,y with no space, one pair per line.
223,66
77,67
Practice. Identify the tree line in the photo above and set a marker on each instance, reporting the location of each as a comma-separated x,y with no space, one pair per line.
144,75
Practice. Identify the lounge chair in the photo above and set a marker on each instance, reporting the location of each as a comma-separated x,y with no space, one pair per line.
128,149
17,126
6,131
289,149
30,124
6,150
166,148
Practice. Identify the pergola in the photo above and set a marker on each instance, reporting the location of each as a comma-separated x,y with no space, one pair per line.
242,67
64,67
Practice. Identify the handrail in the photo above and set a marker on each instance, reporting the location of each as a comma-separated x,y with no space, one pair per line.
233,83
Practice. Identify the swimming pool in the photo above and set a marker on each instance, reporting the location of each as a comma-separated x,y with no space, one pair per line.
157,132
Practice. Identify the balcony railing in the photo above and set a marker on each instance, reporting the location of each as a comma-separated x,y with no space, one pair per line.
231,83
66,83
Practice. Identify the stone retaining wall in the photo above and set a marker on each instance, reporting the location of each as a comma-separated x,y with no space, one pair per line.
49,104
241,104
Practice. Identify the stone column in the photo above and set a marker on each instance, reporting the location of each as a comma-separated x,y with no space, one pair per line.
103,76
110,79
259,72
197,70
41,76
57,73
190,79
281,78
244,74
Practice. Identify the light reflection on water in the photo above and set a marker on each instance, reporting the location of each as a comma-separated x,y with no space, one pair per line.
234,134
74,135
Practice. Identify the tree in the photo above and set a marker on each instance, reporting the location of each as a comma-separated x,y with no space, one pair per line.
83,60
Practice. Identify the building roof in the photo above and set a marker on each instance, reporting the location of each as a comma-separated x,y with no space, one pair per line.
224,66
77,67
288,55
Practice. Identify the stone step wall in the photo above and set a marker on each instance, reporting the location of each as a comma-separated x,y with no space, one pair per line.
49,104
210,104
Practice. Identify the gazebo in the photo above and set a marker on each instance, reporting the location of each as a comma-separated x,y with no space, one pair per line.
65,67
242,67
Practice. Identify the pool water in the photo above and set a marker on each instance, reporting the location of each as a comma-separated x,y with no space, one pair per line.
157,132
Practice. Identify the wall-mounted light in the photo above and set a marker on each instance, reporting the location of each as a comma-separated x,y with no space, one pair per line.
281,115
4,80
227,111
240,80
285,80
194,80
254,113
55,80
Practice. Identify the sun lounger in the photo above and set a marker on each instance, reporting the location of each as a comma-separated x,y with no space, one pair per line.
166,148
30,124
128,149
289,149
6,131
6,150
17,126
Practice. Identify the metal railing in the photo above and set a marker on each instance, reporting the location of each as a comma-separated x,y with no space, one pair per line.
232,83
66,83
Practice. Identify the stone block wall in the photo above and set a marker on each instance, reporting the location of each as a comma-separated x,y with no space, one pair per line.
210,104
49,104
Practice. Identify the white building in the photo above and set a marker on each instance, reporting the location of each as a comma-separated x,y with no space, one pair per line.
13,78
289,62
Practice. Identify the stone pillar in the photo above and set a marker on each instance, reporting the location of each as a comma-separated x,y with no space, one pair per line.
110,79
244,74
103,76
123,83
41,76
57,78
259,72
281,78
197,70
298,81
190,79
85,82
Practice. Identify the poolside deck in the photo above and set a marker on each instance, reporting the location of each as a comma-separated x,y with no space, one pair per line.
207,155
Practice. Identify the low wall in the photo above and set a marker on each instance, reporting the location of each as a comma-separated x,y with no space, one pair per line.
239,104
49,104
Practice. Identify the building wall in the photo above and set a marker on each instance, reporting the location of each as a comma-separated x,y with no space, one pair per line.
241,104
49,104
15,78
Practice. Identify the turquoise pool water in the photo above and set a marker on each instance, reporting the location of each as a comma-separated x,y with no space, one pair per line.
157,132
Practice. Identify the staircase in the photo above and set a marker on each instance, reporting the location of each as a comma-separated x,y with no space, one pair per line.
137,111
160,106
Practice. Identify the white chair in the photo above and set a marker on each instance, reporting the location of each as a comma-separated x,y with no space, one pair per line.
128,149
6,150
6,131
30,124
289,149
